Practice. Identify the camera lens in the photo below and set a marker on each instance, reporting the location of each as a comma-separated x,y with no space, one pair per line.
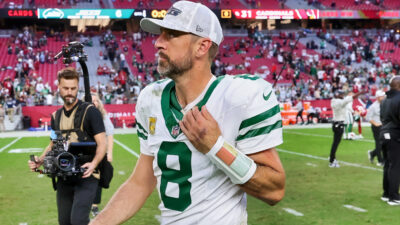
65,161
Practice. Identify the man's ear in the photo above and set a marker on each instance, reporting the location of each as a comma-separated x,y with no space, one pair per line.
203,45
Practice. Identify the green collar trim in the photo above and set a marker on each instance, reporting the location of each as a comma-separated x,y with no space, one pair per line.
171,108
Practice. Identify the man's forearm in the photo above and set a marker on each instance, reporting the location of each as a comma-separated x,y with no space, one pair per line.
100,149
125,203
131,196
46,150
110,144
266,184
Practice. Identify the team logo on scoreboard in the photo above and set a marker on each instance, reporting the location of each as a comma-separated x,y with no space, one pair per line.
226,14
53,14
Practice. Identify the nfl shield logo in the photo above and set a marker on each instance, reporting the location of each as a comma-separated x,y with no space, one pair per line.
175,130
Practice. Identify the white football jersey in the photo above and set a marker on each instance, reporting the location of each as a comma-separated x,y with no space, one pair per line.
191,188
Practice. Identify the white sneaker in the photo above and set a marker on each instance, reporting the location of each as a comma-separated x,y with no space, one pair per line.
360,136
393,202
334,164
385,199
379,164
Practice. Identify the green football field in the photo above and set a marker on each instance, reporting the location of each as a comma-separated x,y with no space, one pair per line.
315,193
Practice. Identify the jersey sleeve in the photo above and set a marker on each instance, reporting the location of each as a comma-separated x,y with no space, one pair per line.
261,123
142,123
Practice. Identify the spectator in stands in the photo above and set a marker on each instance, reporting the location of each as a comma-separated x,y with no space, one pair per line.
122,61
2,116
11,104
108,97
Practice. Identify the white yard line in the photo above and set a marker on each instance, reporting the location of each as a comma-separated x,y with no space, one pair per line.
326,159
355,208
293,212
311,164
11,143
324,136
126,148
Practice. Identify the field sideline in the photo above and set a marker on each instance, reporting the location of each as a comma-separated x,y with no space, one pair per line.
315,193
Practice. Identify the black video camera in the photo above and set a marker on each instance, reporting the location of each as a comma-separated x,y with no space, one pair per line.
73,52
62,163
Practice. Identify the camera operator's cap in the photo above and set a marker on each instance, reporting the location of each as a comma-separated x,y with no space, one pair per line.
380,93
187,17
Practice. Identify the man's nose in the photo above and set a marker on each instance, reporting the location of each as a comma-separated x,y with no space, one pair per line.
160,41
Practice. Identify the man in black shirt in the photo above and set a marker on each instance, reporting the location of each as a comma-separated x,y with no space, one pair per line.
390,137
75,194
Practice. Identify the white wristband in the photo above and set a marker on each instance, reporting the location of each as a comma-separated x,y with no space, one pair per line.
235,164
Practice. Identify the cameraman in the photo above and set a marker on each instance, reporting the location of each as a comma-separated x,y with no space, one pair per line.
75,194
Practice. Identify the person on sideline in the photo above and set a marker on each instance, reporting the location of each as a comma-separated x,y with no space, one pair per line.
390,136
374,117
109,143
339,108
75,194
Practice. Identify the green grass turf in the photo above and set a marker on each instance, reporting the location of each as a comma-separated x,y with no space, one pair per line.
312,188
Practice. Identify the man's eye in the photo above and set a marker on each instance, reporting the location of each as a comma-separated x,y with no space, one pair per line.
172,35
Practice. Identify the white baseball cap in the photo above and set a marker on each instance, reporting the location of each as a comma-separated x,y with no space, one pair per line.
380,93
187,17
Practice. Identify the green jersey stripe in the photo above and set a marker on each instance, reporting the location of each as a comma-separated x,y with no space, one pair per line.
260,131
141,127
171,109
141,135
209,91
260,117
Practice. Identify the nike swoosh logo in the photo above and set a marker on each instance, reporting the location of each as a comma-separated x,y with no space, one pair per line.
266,97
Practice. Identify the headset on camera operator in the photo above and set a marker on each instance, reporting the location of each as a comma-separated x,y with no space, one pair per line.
77,124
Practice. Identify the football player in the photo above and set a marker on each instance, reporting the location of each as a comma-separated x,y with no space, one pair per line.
204,141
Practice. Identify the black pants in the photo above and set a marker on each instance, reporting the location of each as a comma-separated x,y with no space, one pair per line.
74,200
378,146
391,169
300,114
337,128
97,199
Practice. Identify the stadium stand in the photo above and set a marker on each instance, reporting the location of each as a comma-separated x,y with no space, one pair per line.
53,3
11,4
346,4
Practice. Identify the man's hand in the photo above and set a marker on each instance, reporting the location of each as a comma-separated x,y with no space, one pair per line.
90,166
34,165
200,128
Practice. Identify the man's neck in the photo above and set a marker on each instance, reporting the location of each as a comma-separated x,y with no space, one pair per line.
69,107
190,85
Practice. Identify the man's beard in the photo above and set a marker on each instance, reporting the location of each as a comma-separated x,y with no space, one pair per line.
173,69
69,101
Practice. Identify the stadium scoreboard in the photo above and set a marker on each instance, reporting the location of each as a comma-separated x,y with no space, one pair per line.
226,14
